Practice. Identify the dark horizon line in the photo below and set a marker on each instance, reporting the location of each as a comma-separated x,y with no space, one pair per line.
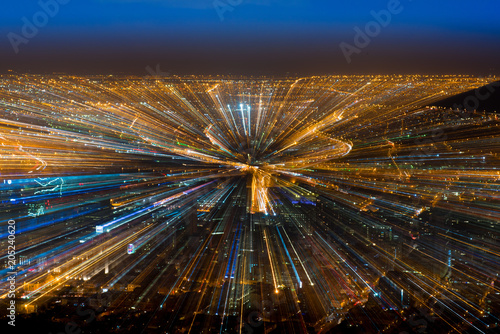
148,74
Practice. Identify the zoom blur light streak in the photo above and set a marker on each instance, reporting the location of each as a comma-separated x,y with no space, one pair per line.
313,195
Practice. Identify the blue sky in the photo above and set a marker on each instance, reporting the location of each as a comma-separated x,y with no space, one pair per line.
269,35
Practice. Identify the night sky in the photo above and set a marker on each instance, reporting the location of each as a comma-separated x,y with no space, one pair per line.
250,37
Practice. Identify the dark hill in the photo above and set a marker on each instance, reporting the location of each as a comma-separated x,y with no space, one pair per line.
485,98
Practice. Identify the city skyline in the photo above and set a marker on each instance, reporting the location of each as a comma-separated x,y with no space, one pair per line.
318,204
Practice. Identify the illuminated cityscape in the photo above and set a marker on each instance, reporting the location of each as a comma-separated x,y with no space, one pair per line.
239,204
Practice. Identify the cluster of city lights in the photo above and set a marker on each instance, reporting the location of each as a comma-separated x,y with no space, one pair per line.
300,198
